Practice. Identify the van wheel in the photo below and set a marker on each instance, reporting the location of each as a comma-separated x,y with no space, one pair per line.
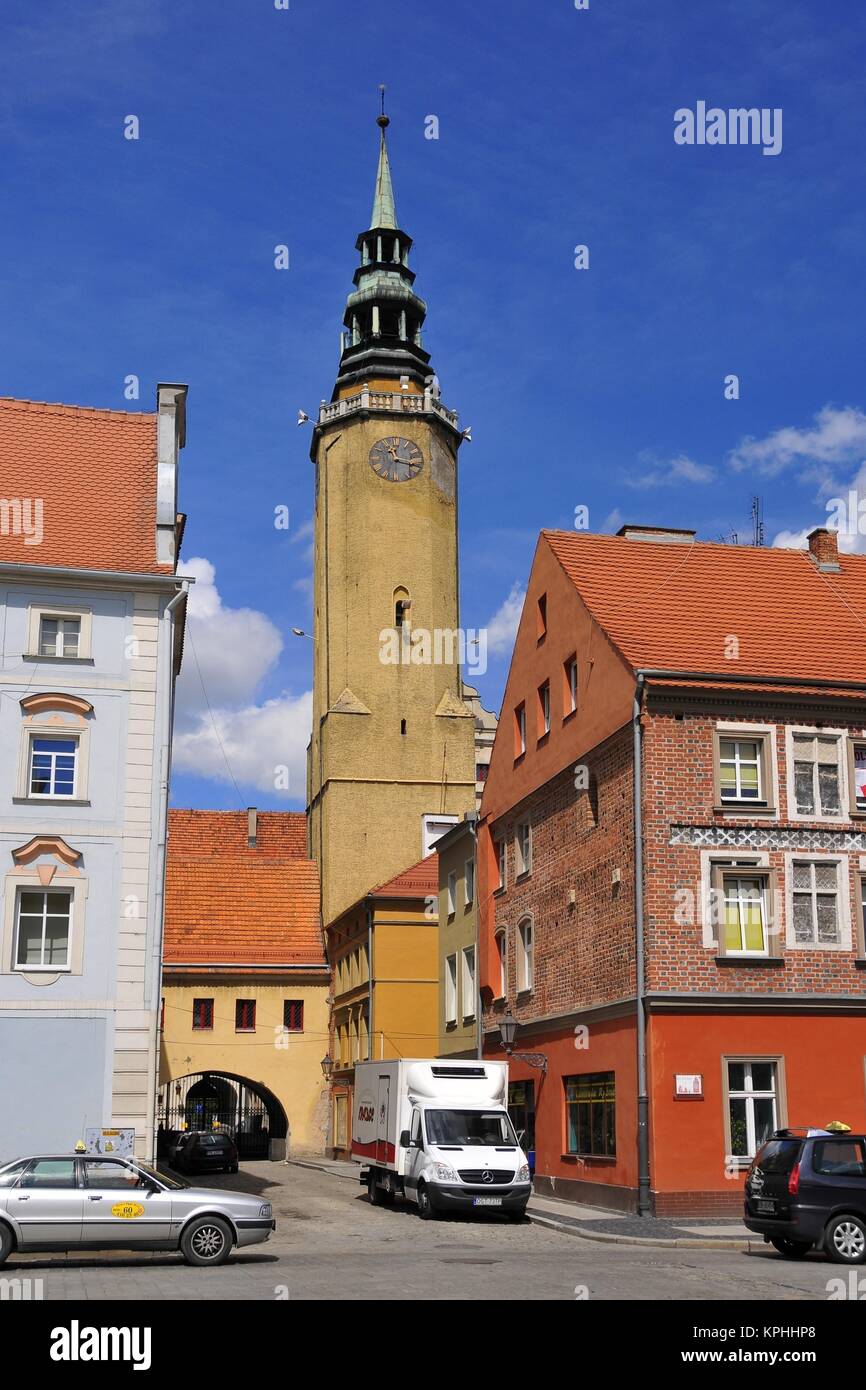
425,1206
7,1243
793,1249
379,1197
206,1241
845,1241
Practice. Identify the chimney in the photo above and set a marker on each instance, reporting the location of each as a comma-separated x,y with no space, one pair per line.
252,824
824,548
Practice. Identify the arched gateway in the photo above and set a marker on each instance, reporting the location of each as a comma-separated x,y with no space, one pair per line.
211,1099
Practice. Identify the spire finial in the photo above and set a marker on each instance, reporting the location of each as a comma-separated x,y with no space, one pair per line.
384,211
383,120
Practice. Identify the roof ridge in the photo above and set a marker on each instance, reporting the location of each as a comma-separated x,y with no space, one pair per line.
61,407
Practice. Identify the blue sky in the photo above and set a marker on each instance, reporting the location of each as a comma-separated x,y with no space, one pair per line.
601,387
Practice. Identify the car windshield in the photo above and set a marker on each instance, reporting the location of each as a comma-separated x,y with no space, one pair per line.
213,1141
778,1156
161,1177
469,1127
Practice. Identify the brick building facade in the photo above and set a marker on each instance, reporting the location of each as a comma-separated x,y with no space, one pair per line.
751,840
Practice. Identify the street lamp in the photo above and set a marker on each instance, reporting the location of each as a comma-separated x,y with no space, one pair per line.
299,632
508,1026
327,1067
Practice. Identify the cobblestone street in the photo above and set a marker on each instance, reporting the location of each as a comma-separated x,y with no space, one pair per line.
331,1244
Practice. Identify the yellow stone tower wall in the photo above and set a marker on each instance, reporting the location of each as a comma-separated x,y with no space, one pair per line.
369,784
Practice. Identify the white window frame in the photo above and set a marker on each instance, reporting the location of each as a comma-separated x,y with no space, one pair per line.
38,726
451,988
451,893
467,982
500,938
571,677
520,715
63,881
523,855
741,873
525,955
43,968
807,731
469,882
544,700
502,862
750,1095
843,901
53,736
65,613
745,733
727,861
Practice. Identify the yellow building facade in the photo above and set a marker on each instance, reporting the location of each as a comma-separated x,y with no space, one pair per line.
245,984
384,958
457,964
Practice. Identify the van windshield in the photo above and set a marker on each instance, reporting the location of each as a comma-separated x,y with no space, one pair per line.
469,1127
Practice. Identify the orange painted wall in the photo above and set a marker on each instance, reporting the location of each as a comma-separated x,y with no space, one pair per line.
824,1075
612,1048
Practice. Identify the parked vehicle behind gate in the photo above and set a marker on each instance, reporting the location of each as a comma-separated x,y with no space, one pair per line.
437,1133
807,1188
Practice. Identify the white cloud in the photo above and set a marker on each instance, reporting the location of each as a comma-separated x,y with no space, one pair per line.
260,743
845,514
230,651
502,627
837,436
680,469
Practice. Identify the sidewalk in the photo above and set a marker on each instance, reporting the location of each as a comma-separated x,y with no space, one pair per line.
594,1223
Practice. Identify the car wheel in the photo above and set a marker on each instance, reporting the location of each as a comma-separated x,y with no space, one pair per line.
7,1242
234,1168
426,1210
516,1216
794,1249
845,1241
206,1241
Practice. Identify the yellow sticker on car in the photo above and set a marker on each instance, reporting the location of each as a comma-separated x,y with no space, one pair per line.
127,1210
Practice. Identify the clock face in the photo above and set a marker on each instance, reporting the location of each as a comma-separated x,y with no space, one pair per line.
395,459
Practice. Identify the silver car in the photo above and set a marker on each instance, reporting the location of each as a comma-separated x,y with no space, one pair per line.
90,1202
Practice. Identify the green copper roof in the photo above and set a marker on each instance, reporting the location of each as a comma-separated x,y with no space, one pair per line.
384,210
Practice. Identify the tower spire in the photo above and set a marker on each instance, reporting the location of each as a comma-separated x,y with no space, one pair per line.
384,208
383,319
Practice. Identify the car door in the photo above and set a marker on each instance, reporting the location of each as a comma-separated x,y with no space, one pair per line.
839,1166
47,1204
120,1207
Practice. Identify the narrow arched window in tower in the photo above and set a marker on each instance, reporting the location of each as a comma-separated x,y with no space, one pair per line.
402,605
402,726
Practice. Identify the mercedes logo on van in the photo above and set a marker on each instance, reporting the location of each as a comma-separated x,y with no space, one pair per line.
487,1176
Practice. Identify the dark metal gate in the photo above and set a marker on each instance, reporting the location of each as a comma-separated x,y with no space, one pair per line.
216,1101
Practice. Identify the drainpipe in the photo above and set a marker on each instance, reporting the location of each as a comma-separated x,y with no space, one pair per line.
369,912
162,855
644,1203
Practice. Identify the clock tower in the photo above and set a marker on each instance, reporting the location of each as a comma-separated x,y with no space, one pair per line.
392,749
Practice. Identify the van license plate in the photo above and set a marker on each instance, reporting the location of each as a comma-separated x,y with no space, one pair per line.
766,1204
487,1201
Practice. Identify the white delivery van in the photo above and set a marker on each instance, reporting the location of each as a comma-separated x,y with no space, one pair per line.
437,1133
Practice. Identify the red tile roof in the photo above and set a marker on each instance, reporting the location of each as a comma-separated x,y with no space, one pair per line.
420,881
279,834
227,904
675,606
95,473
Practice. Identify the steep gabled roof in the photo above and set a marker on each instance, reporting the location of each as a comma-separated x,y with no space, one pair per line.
676,606
95,473
420,881
229,904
